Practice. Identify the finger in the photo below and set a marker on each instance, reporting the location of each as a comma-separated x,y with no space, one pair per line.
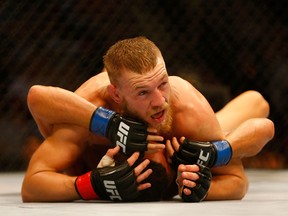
187,191
168,157
155,146
190,176
191,168
182,139
169,148
143,176
113,151
131,160
181,168
180,187
175,144
143,186
152,130
179,181
190,184
154,138
141,167
188,168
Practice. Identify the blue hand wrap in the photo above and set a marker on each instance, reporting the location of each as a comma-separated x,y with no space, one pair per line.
224,152
99,120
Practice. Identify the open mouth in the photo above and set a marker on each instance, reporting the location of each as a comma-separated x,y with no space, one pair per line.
159,116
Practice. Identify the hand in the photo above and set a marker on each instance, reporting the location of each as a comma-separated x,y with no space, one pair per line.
129,134
138,170
211,154
120,182
193,182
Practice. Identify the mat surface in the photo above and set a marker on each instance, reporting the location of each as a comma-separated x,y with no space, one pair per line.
267,195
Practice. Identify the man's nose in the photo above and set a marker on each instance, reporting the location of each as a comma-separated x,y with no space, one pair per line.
158,98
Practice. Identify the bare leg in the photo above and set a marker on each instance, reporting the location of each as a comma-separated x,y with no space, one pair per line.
250,104
250,137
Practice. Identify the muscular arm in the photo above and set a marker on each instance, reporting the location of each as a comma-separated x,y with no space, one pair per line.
202,124
45,179
230,182
249,130
50,105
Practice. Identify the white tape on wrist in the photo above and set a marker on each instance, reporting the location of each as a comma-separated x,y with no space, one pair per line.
106,161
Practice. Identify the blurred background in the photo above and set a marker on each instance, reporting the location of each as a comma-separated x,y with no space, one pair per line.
223,47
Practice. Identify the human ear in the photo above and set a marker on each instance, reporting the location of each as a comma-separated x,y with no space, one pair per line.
114,93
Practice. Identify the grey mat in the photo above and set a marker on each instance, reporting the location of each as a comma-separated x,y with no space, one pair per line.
267,195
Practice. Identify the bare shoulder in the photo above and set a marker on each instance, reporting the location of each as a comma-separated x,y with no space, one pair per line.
178,81
192,109
183,90
94,89
95,82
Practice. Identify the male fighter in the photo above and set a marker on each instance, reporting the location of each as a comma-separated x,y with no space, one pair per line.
138,86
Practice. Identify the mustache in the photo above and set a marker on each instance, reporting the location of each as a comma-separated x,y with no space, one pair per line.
159,109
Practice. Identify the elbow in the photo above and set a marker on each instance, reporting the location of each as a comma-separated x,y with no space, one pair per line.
25,194
229,187
29,192
242,188
25,197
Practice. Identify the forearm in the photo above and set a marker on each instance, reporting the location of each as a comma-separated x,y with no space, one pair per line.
228,183
52,105
226,188
48,187
250,137
44,178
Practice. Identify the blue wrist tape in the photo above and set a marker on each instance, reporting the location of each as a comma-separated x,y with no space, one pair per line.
224,152
99,120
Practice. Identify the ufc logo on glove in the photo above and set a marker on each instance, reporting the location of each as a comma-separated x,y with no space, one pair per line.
129,134
122,134
203,158
111,189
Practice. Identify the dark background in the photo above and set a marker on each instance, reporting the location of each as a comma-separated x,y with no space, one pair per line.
224,47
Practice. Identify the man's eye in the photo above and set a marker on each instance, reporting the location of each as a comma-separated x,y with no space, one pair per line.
163,84
142,93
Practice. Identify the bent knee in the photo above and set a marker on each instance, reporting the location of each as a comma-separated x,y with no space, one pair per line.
259,102
265,126
33,95
270,129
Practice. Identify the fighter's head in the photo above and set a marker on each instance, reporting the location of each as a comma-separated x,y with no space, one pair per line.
159,179
139,80
138,55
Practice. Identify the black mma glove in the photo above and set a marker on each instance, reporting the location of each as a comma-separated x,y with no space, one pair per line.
116,183
129,134
200,191
210,154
